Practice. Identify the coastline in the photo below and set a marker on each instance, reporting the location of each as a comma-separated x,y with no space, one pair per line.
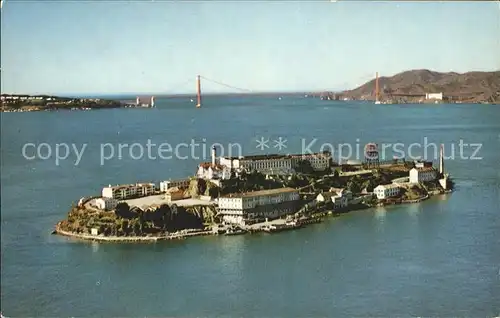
130,239
314,218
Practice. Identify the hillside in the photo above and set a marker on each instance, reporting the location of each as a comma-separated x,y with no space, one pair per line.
467,87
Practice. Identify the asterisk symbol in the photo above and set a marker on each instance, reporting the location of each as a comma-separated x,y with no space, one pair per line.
262,143
280,143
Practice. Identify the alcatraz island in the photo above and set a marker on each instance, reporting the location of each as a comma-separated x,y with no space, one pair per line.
264,193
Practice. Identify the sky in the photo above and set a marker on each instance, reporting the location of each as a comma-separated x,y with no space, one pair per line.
108,47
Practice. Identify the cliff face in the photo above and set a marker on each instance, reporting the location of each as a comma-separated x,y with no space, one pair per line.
467,87
135,222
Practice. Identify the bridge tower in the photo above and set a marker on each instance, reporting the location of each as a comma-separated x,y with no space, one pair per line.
198,91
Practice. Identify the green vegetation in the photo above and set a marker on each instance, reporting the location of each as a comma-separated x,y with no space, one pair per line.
58,103
125,221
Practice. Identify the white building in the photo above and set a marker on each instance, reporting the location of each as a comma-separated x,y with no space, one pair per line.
106,203
319,161
179,183
423,174
339,197
211,172
239,208
386,191
276,164
339,201
325,196
436,96
125,191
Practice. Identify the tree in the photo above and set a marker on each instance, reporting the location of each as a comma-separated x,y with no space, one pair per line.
354,186
335,173
304,166
122,210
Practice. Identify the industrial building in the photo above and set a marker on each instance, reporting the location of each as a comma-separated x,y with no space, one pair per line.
422,174
242,208
277,164
126,191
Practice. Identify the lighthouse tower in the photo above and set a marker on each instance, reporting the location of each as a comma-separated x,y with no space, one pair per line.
152,101
441,161
444,177
214,154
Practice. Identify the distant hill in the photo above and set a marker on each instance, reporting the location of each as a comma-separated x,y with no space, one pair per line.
466,87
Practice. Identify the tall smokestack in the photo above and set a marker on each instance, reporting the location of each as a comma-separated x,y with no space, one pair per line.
376,86
214,154
441,160
198,91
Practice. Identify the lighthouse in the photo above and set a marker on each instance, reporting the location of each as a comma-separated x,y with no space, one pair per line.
441,160
214,154
152,101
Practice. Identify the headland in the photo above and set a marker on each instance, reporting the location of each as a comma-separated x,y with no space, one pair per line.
30,103
424,86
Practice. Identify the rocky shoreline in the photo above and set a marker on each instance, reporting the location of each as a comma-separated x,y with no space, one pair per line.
130,239
317,217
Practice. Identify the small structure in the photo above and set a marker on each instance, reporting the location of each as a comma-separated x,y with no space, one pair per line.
325,196
174,194
423,174
94,231
212,170
386,191
145,102
106,203
423,164
434,96
179,183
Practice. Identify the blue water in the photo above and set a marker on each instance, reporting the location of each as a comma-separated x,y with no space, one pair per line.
437,258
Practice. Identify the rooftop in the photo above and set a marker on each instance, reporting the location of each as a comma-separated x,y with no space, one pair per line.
328,195
388,186
424,168
279,156
260,193
206,165
124,186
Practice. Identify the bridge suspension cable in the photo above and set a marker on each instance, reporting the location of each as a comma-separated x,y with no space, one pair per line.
226,85
174,88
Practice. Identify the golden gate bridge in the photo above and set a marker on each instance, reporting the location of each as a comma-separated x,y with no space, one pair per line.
149,101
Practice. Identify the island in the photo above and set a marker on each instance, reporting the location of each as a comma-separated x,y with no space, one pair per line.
251,194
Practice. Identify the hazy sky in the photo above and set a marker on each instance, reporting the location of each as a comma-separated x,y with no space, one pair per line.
65,47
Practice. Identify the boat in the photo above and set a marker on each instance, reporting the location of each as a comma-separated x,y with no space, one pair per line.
234,231
377,102
274,228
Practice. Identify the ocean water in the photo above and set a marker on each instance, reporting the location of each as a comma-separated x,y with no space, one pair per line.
437,258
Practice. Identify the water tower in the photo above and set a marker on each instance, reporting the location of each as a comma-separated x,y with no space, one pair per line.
372,155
